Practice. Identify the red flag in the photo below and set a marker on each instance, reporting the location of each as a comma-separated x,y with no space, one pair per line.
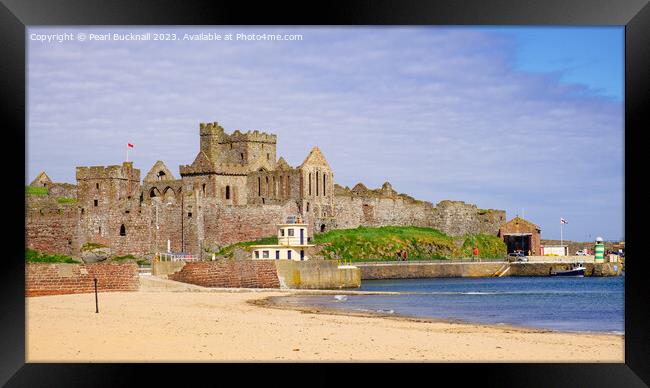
129,145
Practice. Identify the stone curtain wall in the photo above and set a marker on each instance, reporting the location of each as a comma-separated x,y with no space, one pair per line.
62,229
224,225
50,227
457,218
229,273
352,212
454,218
57,279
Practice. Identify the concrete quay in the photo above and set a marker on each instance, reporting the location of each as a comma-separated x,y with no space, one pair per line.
423,270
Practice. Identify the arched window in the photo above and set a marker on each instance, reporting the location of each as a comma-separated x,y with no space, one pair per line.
203,188
152,193
317,183
324,183
259,186
96,185
122,230
307,206
161,175
310,183
242,156
227,192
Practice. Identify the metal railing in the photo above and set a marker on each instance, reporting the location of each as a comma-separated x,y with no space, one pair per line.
177,257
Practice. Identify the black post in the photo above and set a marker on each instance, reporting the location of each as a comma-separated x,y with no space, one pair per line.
96,302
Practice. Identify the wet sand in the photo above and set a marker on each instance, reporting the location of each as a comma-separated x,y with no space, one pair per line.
223,326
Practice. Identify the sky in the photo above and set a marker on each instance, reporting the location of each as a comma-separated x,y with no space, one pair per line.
524,119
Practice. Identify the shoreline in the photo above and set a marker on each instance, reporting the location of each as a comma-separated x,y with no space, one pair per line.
241,326
272,302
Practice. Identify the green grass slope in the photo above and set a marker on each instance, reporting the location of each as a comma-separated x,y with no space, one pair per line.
382,243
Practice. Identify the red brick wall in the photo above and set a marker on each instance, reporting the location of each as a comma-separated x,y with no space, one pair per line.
57,279
229,273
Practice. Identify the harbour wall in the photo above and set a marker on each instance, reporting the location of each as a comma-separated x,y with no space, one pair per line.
312,274
229,274
317,274
414,270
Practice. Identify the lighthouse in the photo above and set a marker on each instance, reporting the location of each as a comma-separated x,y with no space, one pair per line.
599,251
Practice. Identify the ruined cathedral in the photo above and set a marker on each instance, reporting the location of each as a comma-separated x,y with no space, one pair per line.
236,189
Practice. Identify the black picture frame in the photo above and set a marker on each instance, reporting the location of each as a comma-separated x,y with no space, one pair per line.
16,15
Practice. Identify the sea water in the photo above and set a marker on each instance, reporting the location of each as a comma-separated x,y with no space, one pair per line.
594,304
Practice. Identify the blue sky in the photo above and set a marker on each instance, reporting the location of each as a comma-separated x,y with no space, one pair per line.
510,118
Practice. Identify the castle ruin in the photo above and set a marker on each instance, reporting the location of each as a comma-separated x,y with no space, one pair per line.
236,189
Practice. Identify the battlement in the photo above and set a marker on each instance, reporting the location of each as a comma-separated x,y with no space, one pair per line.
214,129
211,128
125,171
250,136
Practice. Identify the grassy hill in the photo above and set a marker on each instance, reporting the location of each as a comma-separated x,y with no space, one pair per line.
369,244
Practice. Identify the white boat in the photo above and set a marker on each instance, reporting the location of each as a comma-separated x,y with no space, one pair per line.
577,270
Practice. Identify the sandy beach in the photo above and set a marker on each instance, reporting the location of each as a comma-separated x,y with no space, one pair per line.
222,325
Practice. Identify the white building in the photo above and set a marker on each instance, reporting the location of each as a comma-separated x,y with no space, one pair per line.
555,250
292,243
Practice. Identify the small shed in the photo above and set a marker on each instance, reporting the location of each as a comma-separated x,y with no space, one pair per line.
521,235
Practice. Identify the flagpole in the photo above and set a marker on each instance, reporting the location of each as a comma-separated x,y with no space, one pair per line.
561,236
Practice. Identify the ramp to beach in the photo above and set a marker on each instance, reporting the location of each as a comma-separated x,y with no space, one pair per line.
150,283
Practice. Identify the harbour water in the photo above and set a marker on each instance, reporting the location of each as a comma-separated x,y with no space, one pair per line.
591,304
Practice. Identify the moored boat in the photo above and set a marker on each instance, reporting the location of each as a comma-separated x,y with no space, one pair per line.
576,270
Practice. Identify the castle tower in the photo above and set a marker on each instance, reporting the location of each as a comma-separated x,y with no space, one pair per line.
108,198
238,147
211,139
